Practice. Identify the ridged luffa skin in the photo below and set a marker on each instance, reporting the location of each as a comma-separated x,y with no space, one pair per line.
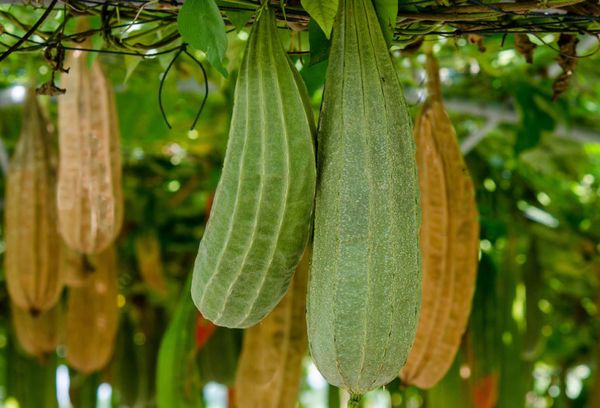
92,315
270,366
365,281
449,241
90,197
33,276
261,215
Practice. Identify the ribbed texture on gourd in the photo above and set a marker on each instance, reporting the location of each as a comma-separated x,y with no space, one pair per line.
90,197
32,243
270,366
364,288
449,241
261,215
93,315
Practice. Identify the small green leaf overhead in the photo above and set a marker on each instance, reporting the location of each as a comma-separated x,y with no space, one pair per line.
239,18
131,63
323,11
201,25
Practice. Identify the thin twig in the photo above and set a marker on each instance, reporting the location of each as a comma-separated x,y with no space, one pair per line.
30,32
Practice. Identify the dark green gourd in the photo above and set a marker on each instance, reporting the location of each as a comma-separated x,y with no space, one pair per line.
364,290
262,211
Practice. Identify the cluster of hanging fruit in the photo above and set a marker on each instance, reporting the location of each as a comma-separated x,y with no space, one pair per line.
63,214
358,238
352,217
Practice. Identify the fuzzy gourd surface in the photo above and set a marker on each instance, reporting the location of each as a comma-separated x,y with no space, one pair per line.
364,289
261,215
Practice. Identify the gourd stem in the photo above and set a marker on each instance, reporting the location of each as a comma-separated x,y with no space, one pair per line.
434,88
354,401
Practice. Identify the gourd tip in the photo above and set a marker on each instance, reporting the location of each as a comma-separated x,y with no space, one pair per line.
354,401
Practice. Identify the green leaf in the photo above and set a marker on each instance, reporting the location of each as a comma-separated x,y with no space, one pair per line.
177,381
535,118
131,63
387,13
323,11
319,44
164,60
201,25
239,18
314,76
282,4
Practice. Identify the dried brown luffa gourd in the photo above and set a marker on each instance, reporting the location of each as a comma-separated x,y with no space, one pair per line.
39,334
92,315
32,274
449,241
75,267
149,262
270,366
90,198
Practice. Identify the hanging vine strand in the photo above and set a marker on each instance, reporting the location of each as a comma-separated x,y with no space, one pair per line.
415,18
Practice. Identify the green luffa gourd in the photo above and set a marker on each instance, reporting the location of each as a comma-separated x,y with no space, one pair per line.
365,282
177,382
261,215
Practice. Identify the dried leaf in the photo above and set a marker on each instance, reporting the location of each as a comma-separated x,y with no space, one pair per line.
524,46
477,40
567,59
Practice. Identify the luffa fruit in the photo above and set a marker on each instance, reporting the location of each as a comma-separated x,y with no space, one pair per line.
364,289
33,275
90,197
449,241
260,219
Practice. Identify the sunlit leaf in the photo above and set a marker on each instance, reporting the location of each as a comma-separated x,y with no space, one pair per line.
323,11
131,63
201,25
239,18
